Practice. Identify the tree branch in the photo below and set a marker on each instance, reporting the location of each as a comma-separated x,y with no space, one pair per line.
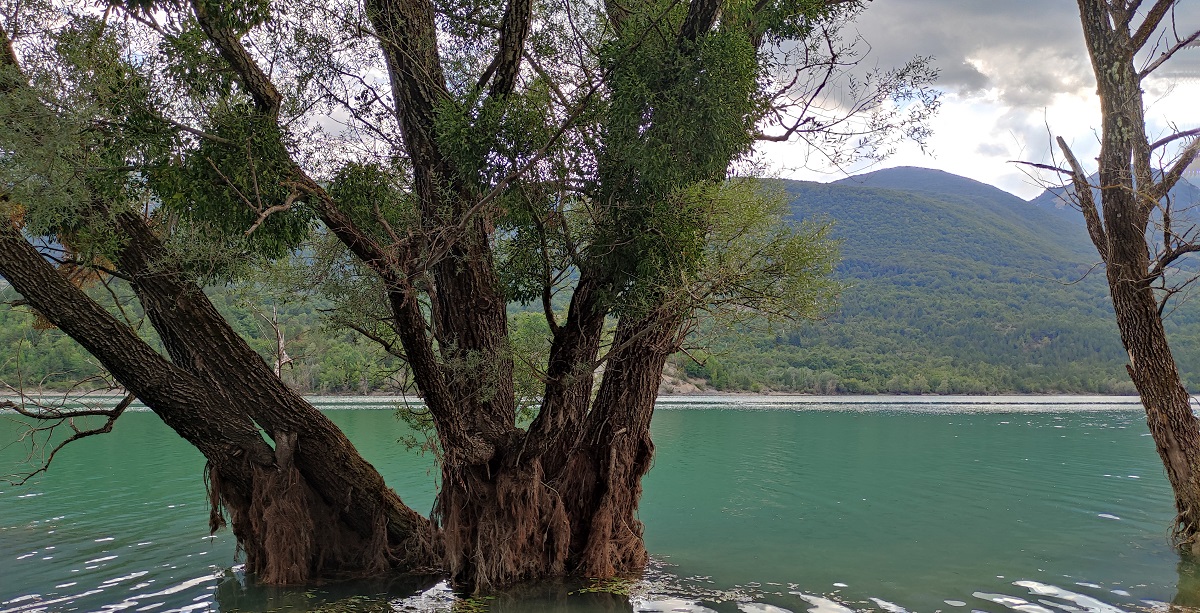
1170,256
278,208
111,416
1049,167
266,97
701,16
1168,54
1166,140
1153,18
1172,176
506,65
1086,200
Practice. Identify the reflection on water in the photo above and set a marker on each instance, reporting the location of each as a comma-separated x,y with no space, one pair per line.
662,592
1187,593
771,505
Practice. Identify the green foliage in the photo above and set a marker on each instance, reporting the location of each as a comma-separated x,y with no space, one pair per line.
371,195
960,292
529,337
678,113
757,265
236,15
197,67
489,139
788,20
228,185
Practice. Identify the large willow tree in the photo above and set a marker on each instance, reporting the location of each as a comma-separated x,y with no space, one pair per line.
446,159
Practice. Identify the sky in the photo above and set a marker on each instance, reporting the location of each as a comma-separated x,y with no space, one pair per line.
1013,74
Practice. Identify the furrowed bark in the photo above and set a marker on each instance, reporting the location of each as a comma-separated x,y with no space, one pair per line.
242,469
570,375
604,471
1129,194
345,488
175,394
471,325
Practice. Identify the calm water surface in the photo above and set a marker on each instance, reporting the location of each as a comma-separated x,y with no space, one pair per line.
753,505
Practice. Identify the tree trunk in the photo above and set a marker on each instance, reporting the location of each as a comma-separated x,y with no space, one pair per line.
1169,415
1130,191
568,505
606,467
309,509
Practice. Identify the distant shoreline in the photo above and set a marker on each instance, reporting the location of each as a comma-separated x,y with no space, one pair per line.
706,395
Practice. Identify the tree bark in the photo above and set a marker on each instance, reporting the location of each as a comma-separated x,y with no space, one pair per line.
309,509
1129,193
357,524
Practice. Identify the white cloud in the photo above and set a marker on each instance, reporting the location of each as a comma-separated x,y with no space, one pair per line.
1014,73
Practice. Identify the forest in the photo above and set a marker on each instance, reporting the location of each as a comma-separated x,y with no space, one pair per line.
989,300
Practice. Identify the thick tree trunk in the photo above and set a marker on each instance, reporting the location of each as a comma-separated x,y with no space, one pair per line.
1169,415
537,510
1130,191
203,342
605,469
346,520
309,509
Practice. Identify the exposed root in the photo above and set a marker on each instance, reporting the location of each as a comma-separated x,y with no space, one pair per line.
503,530
212,488
280,511
614,543
288,533
1185,532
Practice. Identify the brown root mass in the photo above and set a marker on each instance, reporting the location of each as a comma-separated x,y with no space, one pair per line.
287,532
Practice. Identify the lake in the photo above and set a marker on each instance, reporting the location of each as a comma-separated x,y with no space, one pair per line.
754,504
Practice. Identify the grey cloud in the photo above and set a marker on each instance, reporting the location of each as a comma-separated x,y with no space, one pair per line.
966,78
992,149
1028,50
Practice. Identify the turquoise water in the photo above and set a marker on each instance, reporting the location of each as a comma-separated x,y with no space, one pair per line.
753,505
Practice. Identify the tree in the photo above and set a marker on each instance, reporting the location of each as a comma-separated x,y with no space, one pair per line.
488,153
1139,235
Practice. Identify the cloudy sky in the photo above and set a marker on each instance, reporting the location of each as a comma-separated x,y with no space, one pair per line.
1010,70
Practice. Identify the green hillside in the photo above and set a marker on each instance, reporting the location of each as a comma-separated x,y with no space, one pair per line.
954,287
324,361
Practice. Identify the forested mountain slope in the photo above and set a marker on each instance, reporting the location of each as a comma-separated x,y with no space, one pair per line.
954,286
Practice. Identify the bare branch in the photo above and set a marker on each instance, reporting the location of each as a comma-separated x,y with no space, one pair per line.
1172,176
1086,200
193,131
1166,140
1044,167
1170,255
278,208
1153,18
67,417
1168,54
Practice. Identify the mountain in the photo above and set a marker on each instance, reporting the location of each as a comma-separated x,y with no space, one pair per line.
953,286
1036,218
1058,200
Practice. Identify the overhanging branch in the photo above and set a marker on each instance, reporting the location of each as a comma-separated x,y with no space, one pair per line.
67,417
1086,200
